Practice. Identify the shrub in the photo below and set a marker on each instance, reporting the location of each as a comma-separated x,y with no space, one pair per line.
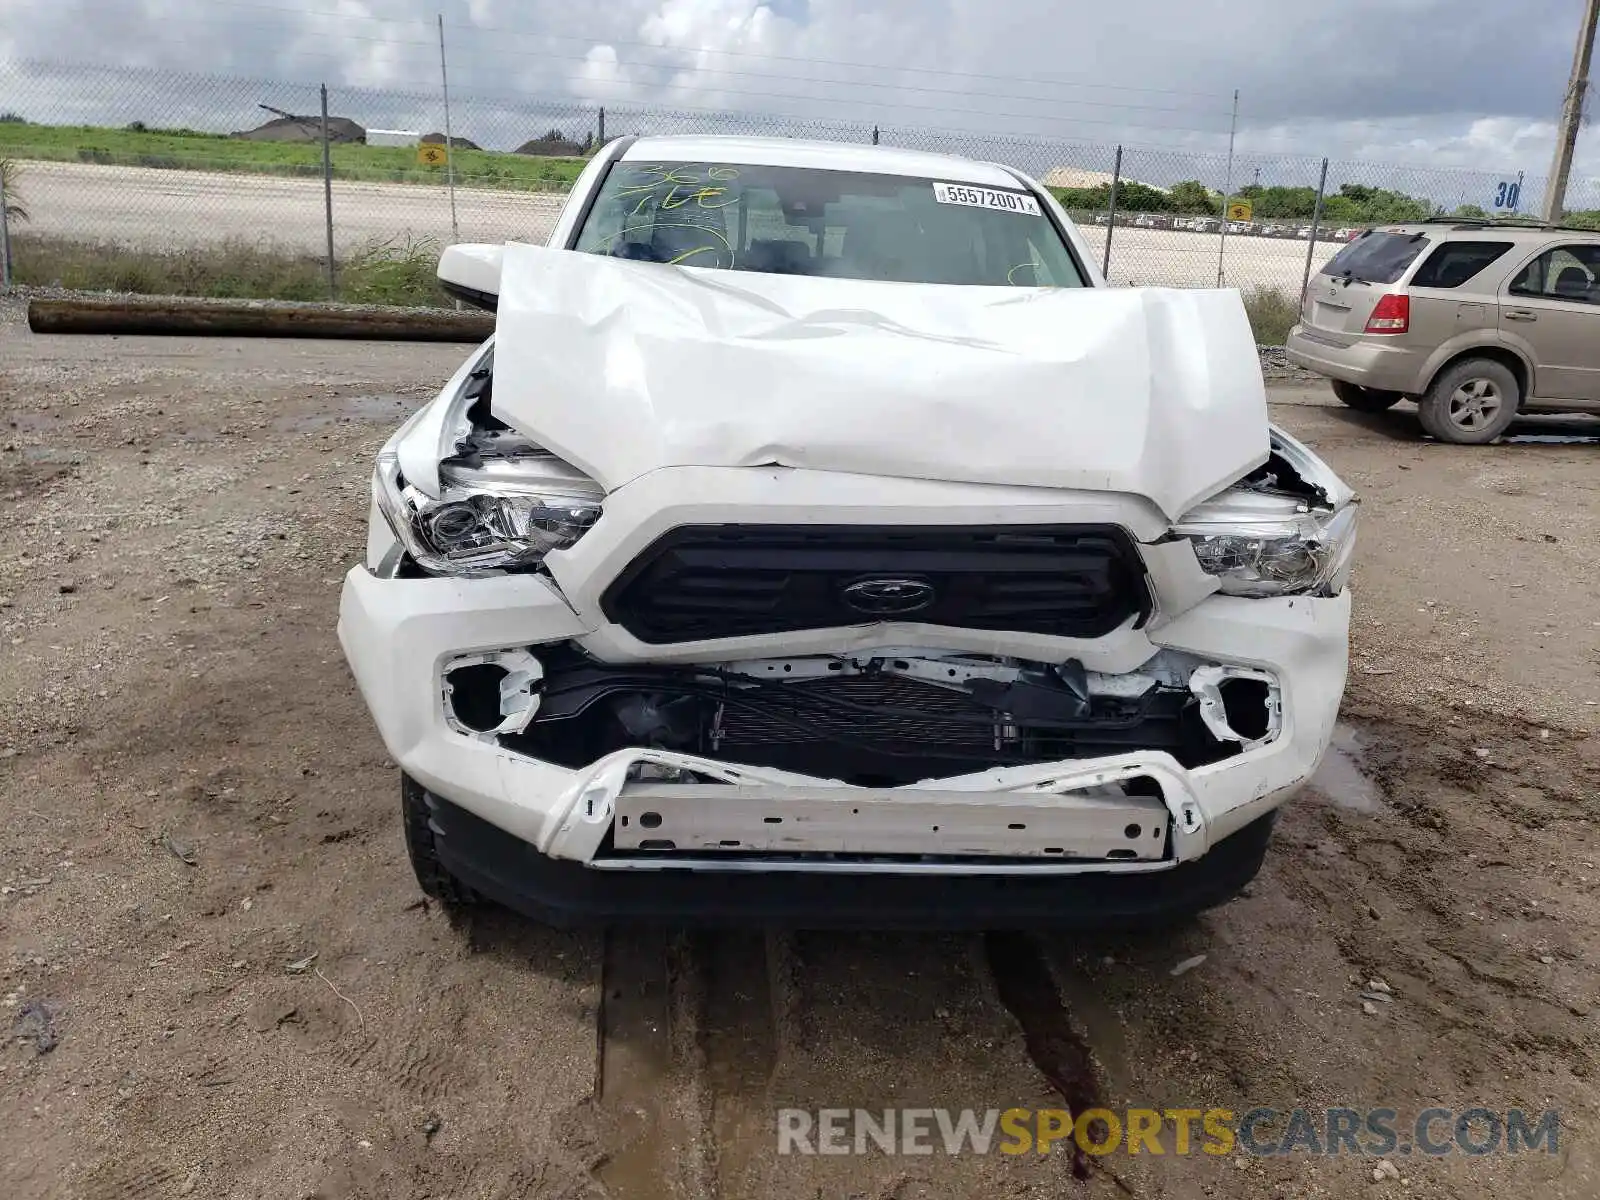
10,173
1272,313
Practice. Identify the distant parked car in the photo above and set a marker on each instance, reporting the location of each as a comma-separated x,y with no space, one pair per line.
1145,221
1474,322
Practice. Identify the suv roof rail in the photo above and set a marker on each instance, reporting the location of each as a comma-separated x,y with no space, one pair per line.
1496,223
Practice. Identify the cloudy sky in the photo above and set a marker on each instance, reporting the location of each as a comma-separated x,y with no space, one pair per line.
1463,83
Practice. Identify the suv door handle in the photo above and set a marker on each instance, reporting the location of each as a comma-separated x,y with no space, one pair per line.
1520,314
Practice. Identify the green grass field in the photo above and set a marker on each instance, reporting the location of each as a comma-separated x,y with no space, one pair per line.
187,150
381,273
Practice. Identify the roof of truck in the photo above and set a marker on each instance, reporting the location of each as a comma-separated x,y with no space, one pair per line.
828,156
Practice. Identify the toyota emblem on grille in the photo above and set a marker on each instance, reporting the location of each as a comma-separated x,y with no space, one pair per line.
889,597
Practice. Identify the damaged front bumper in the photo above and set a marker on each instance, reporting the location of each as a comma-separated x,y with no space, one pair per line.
564,892
517,825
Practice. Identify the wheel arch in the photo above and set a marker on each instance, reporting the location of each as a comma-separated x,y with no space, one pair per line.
1507,357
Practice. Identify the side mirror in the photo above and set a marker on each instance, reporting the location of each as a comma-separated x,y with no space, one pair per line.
471,273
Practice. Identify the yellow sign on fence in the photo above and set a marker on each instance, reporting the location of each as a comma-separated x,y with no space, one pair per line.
1239,210
431,155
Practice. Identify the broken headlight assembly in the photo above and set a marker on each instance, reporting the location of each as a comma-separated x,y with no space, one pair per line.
492,514
1255,548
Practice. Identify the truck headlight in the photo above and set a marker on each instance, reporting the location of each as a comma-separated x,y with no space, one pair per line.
1253,553
501,517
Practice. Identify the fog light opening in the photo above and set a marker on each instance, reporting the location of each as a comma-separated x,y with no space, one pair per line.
1238,704
1245,704
489,694
473,695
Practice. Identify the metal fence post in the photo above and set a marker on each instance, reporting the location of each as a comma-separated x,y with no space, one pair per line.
1111,214
327,195
5,236
600,138
1316,220
449,139
874,135
1227,190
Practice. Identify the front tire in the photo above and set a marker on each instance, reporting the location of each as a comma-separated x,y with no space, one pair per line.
1365,399
1471,403
436,882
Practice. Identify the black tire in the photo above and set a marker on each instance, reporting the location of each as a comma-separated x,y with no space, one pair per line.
435,881
1365,399
1470,403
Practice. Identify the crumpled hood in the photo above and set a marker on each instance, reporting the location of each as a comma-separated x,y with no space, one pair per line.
622,368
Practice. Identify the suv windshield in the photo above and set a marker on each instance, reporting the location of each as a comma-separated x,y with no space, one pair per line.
1377,256
843,224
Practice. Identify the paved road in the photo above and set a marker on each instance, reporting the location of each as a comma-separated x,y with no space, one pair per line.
146,206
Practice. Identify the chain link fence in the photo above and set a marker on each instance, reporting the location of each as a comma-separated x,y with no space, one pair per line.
142,180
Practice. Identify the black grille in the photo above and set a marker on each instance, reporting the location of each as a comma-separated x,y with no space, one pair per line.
877,729
891,727
867,708
715,581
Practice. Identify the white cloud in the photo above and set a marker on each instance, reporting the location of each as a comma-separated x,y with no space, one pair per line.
1434,83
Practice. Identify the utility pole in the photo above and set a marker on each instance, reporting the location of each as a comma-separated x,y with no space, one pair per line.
1555,192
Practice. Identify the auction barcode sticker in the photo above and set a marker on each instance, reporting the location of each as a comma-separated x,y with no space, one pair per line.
982,197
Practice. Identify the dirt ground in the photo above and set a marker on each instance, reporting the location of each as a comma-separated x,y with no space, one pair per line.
219,978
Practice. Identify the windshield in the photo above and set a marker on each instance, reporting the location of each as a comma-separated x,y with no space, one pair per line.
843,224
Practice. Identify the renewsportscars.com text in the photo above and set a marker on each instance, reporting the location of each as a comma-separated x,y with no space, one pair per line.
1263,1132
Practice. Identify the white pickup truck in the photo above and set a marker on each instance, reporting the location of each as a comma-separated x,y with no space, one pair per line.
819,540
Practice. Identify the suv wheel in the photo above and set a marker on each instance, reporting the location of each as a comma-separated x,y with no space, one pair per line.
1364,399
1471,403
431,874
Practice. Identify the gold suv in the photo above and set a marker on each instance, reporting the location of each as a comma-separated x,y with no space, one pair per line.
1476,321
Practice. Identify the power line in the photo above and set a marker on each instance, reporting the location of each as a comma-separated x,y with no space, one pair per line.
591,82
521,103
800,79
502,31
893,87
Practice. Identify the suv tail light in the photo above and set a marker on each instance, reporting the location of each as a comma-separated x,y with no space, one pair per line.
1392,315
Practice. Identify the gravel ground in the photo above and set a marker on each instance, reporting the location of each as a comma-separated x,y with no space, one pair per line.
196,805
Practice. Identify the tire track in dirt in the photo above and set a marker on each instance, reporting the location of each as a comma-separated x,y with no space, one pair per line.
416,1065
739,1036
638,1077
132,1179
688,1042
